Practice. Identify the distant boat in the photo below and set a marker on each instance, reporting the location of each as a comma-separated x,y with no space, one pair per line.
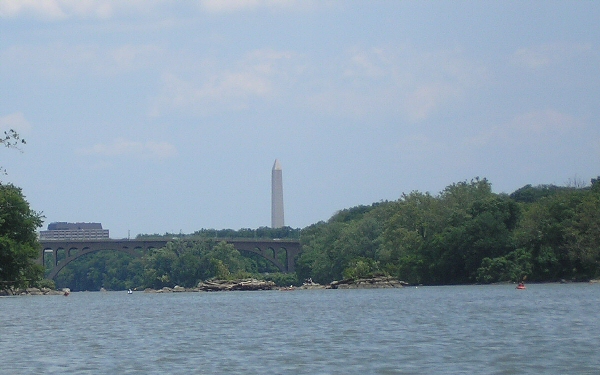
129,291
521,286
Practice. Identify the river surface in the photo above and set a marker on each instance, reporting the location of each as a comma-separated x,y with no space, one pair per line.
545,329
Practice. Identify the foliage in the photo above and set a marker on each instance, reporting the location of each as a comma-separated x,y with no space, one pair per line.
112,270
19,247
531,194
360,268
466,234
279,278
45,283
11,139
515,266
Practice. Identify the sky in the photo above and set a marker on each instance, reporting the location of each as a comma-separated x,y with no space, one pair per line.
163,116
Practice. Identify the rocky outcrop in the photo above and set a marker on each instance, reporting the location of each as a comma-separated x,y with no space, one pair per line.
219,286
255,284
309,284
32,292
230,285
175,289
371,283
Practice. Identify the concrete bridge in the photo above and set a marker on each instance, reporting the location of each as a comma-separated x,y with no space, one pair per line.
74,249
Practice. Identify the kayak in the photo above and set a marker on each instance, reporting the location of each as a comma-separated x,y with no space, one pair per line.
520,286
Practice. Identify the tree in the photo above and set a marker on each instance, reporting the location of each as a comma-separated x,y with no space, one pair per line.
11,139
19,247
406,250
531,194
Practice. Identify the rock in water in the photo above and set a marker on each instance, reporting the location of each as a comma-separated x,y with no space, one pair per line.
371,283
227,285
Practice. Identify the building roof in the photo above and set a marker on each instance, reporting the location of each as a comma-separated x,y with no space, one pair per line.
73,226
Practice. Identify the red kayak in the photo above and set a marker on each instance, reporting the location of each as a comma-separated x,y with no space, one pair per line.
520,286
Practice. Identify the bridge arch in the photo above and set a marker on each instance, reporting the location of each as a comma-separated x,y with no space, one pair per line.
62,264
267,249
76,249
266,254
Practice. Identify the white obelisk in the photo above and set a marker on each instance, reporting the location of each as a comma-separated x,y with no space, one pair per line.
276,196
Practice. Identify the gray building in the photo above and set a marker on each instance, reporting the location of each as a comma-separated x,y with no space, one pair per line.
277,196
74,231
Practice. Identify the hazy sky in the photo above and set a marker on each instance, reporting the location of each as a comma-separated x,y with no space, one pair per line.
166,116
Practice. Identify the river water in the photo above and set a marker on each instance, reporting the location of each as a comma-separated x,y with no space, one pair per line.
546,329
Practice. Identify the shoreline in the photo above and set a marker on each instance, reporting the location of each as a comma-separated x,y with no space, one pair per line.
258,285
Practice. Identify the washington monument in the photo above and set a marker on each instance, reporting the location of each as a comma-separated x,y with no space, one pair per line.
276,196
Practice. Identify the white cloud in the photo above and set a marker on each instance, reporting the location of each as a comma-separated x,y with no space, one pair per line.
548,54
213,87
226,90
540,126
15,121
427,99
57,9
61,10
398,79
226,6
142,150
547,121
367,63
58,61
131,57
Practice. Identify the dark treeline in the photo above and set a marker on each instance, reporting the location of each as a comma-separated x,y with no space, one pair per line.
465,234
262,232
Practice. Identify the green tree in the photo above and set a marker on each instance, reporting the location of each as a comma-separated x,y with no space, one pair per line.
112,270
19,247
361,268
158,266
224,260
546,232
531,194
406,249
584,236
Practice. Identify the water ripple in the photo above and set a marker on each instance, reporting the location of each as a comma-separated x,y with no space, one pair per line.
550,329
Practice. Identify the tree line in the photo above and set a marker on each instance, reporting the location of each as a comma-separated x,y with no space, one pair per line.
464,234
